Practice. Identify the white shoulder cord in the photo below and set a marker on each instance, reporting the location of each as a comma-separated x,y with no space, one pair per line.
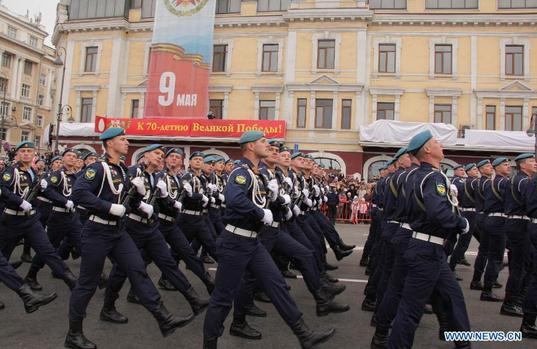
453,200
108,177
171,193
17,184
66,190
258,199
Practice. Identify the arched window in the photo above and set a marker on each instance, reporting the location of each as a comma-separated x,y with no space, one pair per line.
83,149
373,165
213,151
331,162
447,166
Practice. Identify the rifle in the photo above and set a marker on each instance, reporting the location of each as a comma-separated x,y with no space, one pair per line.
35,189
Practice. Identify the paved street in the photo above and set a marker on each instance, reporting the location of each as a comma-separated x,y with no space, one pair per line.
47,327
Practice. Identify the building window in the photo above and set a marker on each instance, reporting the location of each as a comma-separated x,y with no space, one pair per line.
148,8
385,111
25,90
219,58
323,113
452,4
25,136
42,79
3,85
387,4
28,67
514,60
39,121
270,58
4,109
27,114
40,99
267,110
136,4
135,108
37,141
517,4
272,5
387,58
301,110
90,64
442,113
442,59
490,117
86,110
3,134
228,6
33,41
84,9
11,32
6,59
216,106
346,114
513,118
326,53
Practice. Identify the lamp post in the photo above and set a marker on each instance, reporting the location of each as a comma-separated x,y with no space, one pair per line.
59,62
532,130
3,83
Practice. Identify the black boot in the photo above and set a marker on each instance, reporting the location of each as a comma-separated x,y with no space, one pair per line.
373,321
330,267
368,304
496,284
33,283
207,260
103,280
241,328
443,323
346,247
26,255
464,261
288,274
165,284
255,311
509,308
380,338
364,261
476,285
168,323
528,328
340,254
308,338
209,283
261,296
488,296
132,298
197,304
325,276
32,300
70,279
210,342
75,337
332,289
326,305
463,345
2,306
109,313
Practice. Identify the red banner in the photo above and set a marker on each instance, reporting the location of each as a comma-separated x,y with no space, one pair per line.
161,127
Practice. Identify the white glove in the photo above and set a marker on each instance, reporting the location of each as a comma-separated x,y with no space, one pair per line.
325,198
286,199
117,210
454,189
69,205
267,217
306,192
222,198
138,182
163,188
178,206
296,211
212,188
273,185
213,200
288,214
146,208
308,202
188,188
316,191
26,206
288,181
205,200
43,184
466,229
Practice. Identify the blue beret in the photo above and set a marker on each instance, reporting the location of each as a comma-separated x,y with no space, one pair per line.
230,160
25,144
175,151
400,153
524,156
150,148
69,150
236,162
208,159
418,141
499,161
88,155
275,143
197,154
297,155
251,136
218,158
469,166
284,148
458,166
390,162
57,157
483,163
112,132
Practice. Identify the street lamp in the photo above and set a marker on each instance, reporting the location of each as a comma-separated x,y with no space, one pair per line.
4,109
59,62
532,130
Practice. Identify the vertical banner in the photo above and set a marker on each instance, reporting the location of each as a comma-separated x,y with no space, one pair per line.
180,59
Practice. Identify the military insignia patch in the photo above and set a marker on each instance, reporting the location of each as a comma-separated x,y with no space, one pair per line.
240,179
441,189
90,174
53,179
6,177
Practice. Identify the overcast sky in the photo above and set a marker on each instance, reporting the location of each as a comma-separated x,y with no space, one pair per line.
46,7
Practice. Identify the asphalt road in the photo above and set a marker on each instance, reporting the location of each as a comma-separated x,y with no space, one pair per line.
47,327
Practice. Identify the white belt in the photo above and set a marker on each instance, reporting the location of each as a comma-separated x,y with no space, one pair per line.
526,218
223,205
205,211
314,209
373,205
406,226
99,220
467,209
40,198
192,212
242,232
215,206
393,222
61,209
18,213
166,218
78,207
275,224
137,218
497,214
430,238
533,220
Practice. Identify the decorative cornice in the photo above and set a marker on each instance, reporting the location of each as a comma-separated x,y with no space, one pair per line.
495,19
84,88
330,14
386,91
297,87
248,21
443,92
267,89
220,88
505,94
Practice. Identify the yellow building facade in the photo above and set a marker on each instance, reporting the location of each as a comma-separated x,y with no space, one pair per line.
27,80
328,68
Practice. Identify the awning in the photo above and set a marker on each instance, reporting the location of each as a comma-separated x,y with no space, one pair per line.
398,132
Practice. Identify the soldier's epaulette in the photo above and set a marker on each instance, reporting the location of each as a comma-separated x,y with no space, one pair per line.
245,166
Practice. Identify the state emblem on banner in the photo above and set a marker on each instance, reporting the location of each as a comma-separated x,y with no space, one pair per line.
185,7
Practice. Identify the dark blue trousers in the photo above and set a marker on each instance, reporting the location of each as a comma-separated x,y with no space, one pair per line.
196,228
98,242
299,235
495,229
215,217
464,240
330,233
237,254
387,261
519,255
482,251
530,302
8,275
428,272
315,239
373,233
315,228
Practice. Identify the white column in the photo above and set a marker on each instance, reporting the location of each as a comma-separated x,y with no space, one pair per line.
374,101
16,74
397,107
122,106
277,107
479,116
431,109
77,107
68,61
288,107
290,57
501,126
525,114
361,57
256,105
334,110
142,106
473,103
311,122
454,111
360,110
93,106
118,48
225,105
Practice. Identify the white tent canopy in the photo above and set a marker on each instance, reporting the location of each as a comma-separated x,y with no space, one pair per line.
508,140
398,132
